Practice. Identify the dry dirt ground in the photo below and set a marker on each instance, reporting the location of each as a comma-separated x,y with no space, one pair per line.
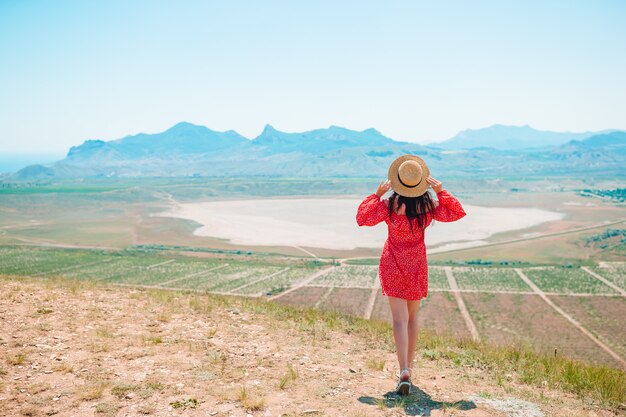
73,349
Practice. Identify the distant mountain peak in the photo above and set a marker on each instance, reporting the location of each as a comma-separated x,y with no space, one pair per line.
345,129
268,130
335,127
505,137
185,126
87,146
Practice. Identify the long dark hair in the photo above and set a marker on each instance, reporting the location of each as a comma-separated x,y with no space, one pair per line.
414,207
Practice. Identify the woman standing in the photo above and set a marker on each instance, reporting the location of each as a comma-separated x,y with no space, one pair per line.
403,269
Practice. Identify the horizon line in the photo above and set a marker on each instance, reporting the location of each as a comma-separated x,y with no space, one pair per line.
423,142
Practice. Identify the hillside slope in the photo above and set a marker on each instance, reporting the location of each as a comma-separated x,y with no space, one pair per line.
74,348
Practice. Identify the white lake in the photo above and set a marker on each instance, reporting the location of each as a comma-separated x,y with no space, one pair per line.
331,223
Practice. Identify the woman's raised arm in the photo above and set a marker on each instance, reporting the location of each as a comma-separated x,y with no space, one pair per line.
372,209
449,208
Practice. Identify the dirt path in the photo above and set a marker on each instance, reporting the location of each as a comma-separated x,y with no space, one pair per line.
234,290
604,280
569,318
304,282
454,289
324,297
372,300
75,349
195,274
36,242
160,263
305,251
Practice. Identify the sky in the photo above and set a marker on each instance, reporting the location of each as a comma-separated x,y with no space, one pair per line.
418,71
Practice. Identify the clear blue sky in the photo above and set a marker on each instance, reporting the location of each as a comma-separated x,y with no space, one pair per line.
415,70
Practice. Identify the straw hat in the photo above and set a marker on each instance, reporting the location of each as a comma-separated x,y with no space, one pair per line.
408,175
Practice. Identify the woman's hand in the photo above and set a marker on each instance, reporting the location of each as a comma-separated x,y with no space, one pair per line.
437,186
383,188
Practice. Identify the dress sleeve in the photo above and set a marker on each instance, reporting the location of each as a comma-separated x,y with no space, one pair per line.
449,208
372,211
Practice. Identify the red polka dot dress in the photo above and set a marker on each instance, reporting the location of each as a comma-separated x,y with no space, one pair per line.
403,268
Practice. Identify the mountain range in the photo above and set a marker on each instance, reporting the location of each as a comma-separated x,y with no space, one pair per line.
187,149
510,138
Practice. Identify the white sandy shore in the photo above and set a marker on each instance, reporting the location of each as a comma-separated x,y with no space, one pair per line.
331,223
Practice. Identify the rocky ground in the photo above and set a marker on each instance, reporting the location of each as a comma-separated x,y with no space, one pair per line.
80,350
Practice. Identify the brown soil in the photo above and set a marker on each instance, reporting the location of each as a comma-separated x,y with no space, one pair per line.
528,320
438,313
304,296
347,300
381,309
603,316
74,349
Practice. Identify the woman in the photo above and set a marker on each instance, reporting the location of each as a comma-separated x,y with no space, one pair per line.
403,269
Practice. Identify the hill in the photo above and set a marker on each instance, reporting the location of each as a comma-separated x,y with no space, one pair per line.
613,142
189,150
73,351
504,137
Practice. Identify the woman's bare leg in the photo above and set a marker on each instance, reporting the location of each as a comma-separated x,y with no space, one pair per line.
413,308
400,314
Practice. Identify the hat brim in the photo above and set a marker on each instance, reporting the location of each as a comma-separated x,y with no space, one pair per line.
401,189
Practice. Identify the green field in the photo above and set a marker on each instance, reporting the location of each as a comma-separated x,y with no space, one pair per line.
278,281
501,315
500,279
257,275
614,272
567,281
128,267
437,279
352,276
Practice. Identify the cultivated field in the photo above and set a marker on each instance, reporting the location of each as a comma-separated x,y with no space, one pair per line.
568,281
488,279
613,271
572,311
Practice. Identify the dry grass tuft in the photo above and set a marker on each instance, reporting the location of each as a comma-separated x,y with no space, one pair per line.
250,401
155,385
108,409
98,347
92,390
375,364
147,409
63,367
121,390
15,360
163,317
104,332
290,376
38,387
